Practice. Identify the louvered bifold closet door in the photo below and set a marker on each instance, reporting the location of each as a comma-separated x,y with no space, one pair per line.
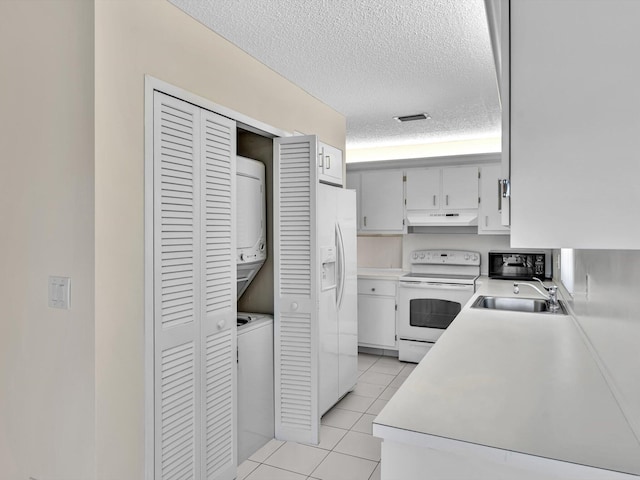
219,296
177,314
194,292
296,289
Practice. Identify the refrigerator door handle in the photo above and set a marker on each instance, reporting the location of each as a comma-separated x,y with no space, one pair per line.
341,266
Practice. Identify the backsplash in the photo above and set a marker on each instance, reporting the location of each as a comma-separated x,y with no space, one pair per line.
380,251
478,243
392,251
607,286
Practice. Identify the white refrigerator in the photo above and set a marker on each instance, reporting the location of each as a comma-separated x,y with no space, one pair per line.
337,318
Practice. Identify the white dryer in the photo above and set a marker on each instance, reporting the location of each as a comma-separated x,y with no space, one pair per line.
251,222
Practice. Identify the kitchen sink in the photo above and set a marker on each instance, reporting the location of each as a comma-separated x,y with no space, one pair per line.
517,304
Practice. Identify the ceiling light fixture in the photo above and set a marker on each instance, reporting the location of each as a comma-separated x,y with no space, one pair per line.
411,118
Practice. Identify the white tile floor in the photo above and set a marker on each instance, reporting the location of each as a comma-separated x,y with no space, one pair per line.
347,449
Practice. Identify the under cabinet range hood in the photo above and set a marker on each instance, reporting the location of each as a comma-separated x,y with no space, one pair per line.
442,219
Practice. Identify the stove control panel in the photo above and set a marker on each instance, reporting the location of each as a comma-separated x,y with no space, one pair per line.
446,257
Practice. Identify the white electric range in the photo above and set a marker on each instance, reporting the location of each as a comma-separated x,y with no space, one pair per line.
439,284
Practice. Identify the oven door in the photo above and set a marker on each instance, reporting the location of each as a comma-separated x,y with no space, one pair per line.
426,309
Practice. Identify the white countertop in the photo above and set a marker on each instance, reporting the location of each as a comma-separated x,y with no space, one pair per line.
381,273
522,382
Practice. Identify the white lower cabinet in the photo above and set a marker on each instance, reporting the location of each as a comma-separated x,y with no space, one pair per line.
377,313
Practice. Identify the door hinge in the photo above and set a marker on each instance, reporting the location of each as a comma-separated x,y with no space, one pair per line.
506,188
396,337
479,173
478,200
404,178
396,307
403,222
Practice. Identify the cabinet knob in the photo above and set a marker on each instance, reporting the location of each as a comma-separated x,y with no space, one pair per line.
373,289
294,306
221,324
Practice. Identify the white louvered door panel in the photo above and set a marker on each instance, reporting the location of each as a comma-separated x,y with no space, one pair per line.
296,309
218,142
194,292
176,288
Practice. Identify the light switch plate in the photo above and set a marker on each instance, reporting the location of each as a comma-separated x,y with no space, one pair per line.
60,292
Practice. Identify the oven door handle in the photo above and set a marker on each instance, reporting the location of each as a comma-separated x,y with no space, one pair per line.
440,286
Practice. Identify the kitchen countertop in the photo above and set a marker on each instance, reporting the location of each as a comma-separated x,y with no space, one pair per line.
522,382
381,273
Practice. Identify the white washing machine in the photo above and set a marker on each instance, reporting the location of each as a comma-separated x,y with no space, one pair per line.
255,383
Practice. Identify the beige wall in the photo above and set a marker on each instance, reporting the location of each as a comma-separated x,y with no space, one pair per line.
46,215
134,38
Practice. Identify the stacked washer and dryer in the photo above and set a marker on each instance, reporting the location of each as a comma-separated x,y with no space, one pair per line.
255,330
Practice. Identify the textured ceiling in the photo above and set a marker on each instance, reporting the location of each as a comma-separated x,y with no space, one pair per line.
372,60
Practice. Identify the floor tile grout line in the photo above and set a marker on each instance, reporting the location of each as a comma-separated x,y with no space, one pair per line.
346,431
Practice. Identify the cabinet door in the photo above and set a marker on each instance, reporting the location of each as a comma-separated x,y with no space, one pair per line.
330,164
382,201
574,124
377,321
489,214
353,183
459,188
423,189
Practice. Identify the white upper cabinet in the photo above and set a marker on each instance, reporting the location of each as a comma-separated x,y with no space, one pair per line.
330,164
381,201
353,183
574,124
459,188
423,189
449,188
490,208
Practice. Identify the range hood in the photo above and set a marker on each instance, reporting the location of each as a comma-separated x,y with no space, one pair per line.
441,219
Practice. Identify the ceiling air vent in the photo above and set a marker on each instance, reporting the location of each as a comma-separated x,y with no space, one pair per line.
411,118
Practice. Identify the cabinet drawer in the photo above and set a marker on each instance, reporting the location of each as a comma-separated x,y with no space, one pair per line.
377,287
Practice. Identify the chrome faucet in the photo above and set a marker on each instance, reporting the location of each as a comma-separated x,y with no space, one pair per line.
551,296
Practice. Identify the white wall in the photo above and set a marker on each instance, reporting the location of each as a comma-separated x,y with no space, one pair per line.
134,38
46,214
607,308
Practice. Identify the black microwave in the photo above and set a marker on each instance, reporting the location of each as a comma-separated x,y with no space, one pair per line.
519,265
